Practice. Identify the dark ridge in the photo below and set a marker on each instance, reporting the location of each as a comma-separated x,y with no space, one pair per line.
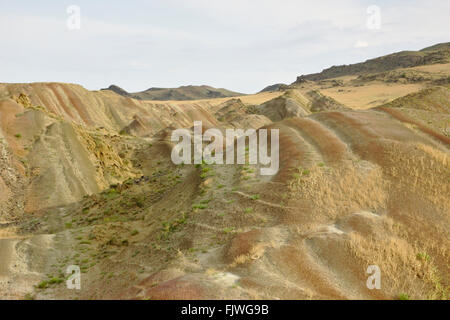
439,53
118,90
274,87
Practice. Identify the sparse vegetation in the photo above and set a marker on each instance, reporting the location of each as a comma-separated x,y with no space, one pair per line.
29,296
200,206
51,281
354,188
171,226
228,230
423,256
403,296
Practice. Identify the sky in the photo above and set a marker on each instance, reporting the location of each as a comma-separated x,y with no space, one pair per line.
240,45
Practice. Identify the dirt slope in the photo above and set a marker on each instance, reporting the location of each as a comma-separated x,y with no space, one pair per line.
354,189
426,108
87,180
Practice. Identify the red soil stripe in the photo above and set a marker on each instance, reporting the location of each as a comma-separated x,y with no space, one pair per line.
403,118
292,152
329,145
341,118
363,141
54,88
78,105
44,101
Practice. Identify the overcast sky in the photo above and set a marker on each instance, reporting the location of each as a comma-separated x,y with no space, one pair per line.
240,45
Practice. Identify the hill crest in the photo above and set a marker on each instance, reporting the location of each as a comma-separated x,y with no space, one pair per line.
439,53
189,92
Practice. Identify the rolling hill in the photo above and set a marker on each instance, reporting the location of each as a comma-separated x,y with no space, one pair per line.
87,180
437,54
181,93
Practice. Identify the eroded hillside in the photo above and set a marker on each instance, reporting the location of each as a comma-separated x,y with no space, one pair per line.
87,180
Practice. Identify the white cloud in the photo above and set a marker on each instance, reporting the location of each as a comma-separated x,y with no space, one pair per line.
242,45
281,14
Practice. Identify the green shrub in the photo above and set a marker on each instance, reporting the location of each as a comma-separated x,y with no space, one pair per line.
55,280
171,226
228,230
423,256
29,296
403,296
199,206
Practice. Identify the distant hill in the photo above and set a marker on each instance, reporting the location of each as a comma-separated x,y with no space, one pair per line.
181,93
439,46
118,90
274,87
439,53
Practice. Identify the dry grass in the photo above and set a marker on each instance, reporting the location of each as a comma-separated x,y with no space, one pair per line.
420,170
434,68
354,189
335,191
255,253
370,95
252,99
402,268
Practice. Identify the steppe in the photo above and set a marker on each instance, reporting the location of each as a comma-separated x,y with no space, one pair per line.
86,179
